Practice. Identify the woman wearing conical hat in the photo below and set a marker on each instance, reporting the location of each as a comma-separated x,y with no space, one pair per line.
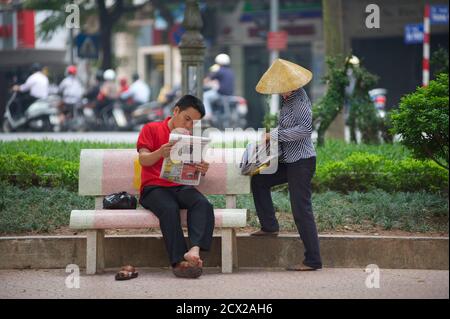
296,162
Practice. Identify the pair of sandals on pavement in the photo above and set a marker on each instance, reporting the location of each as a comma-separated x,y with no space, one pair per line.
183,269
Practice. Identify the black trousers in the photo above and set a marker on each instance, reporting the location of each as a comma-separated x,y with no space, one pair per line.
165,203
25,100
298,175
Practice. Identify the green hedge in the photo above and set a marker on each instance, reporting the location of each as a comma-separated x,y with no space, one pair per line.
34,170
340,167
65,150
365,172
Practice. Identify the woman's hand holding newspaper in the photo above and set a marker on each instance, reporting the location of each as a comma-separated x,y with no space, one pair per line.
265,138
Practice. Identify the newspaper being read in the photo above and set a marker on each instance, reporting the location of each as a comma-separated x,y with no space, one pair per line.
179,167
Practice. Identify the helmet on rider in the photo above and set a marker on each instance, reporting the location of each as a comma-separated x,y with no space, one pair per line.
353,60
35,67
222,59
99,75
109,75
72,70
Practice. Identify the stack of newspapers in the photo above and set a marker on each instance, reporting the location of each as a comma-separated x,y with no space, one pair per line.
257,158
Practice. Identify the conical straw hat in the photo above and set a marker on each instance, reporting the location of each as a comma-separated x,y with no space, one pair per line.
283,76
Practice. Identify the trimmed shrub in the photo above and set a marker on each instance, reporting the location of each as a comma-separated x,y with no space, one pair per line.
365,172
422,120
32,170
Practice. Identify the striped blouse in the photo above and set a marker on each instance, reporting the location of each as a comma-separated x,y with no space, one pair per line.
294,128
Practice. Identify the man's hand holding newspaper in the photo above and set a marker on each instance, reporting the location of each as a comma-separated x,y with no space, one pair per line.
183,159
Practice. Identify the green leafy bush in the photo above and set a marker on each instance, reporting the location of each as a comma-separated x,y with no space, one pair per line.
65,150
340,167
366,172
33,170
422,121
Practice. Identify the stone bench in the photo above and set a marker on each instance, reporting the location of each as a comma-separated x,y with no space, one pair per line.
107,171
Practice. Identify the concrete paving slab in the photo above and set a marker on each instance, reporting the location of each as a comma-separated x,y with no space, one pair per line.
158,283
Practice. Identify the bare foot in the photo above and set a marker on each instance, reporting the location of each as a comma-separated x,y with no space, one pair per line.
193,256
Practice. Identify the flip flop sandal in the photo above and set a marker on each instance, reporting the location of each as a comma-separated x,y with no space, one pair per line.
300,267
187,271
126,273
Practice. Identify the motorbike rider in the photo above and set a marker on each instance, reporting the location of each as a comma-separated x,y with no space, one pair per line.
35,87
93,92
352,62
108,91
71,91
224,75
138,92
123,85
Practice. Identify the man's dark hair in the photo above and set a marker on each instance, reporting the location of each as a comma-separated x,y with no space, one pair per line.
188,101
135,77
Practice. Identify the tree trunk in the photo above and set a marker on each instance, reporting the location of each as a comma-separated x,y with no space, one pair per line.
106,24
334,46
333,32
106,44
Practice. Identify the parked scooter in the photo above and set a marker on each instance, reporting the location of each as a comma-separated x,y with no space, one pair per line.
228,112
143,114
110,118
378,97
41,115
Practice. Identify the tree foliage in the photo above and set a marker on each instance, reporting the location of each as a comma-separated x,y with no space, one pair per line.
422,121
362,113
110,16
326,110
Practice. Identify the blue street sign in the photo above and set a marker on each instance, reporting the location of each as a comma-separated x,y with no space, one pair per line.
439,14
414,33
87,45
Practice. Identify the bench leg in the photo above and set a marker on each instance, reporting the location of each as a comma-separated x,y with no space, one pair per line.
229,250
95,253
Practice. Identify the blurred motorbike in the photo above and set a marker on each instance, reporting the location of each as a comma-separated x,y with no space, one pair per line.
143,114
378,97
86,117
39,116
228,111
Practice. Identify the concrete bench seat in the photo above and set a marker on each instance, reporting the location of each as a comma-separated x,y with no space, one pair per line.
107,171
143,218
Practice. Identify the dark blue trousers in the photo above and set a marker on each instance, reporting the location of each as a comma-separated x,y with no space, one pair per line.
298,175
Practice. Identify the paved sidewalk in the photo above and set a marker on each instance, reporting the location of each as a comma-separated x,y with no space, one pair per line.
247,283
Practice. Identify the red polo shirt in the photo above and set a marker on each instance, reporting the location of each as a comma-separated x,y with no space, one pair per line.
152,137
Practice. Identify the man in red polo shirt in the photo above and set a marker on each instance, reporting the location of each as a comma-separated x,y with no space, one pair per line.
165,198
